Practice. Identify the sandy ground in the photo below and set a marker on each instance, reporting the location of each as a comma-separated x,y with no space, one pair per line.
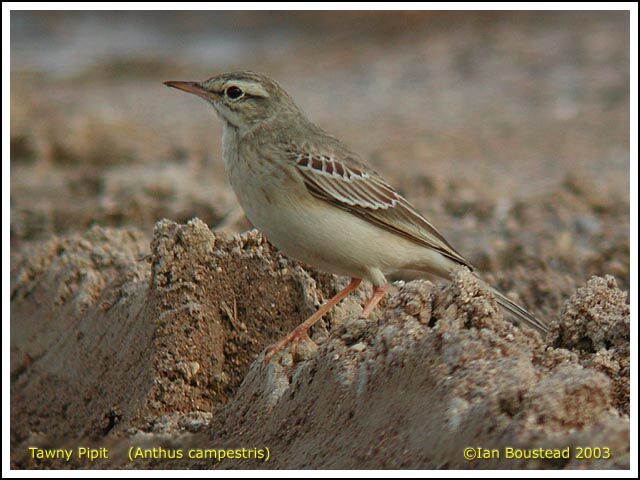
509,131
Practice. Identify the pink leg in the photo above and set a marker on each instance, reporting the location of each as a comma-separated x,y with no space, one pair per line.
301,330
378,293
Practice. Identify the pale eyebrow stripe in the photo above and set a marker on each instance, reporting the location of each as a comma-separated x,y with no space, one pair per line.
249,88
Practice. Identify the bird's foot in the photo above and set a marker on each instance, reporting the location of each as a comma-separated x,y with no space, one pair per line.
300,333
378,294
302,330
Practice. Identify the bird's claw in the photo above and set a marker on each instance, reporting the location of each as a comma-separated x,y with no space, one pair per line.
292,339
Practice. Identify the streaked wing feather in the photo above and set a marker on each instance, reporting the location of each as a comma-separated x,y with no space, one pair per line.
349,185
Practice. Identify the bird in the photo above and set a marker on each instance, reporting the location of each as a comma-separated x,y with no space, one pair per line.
319,202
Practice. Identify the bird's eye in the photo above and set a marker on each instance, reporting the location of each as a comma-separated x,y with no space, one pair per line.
234,92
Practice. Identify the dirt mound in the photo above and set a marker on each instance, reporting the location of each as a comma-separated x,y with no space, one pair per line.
439,371
114,345
104,341
595,324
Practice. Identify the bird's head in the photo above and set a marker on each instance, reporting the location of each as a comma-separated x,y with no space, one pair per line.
242,99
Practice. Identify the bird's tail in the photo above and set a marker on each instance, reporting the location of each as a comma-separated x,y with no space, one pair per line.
519,312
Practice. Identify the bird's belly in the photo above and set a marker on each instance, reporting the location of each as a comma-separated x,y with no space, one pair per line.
331,239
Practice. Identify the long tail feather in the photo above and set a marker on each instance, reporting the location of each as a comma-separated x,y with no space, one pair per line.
519,312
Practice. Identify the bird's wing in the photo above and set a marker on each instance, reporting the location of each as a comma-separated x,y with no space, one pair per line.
347,183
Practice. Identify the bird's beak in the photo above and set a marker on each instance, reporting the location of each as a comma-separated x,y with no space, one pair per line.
191,87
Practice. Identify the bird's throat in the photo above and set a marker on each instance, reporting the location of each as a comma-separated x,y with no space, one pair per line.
230,141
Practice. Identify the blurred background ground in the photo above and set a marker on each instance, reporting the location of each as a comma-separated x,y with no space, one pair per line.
510,130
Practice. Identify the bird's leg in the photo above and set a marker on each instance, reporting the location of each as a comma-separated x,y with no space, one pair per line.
378,294
301,330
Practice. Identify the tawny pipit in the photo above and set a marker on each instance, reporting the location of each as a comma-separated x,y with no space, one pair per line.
316,200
